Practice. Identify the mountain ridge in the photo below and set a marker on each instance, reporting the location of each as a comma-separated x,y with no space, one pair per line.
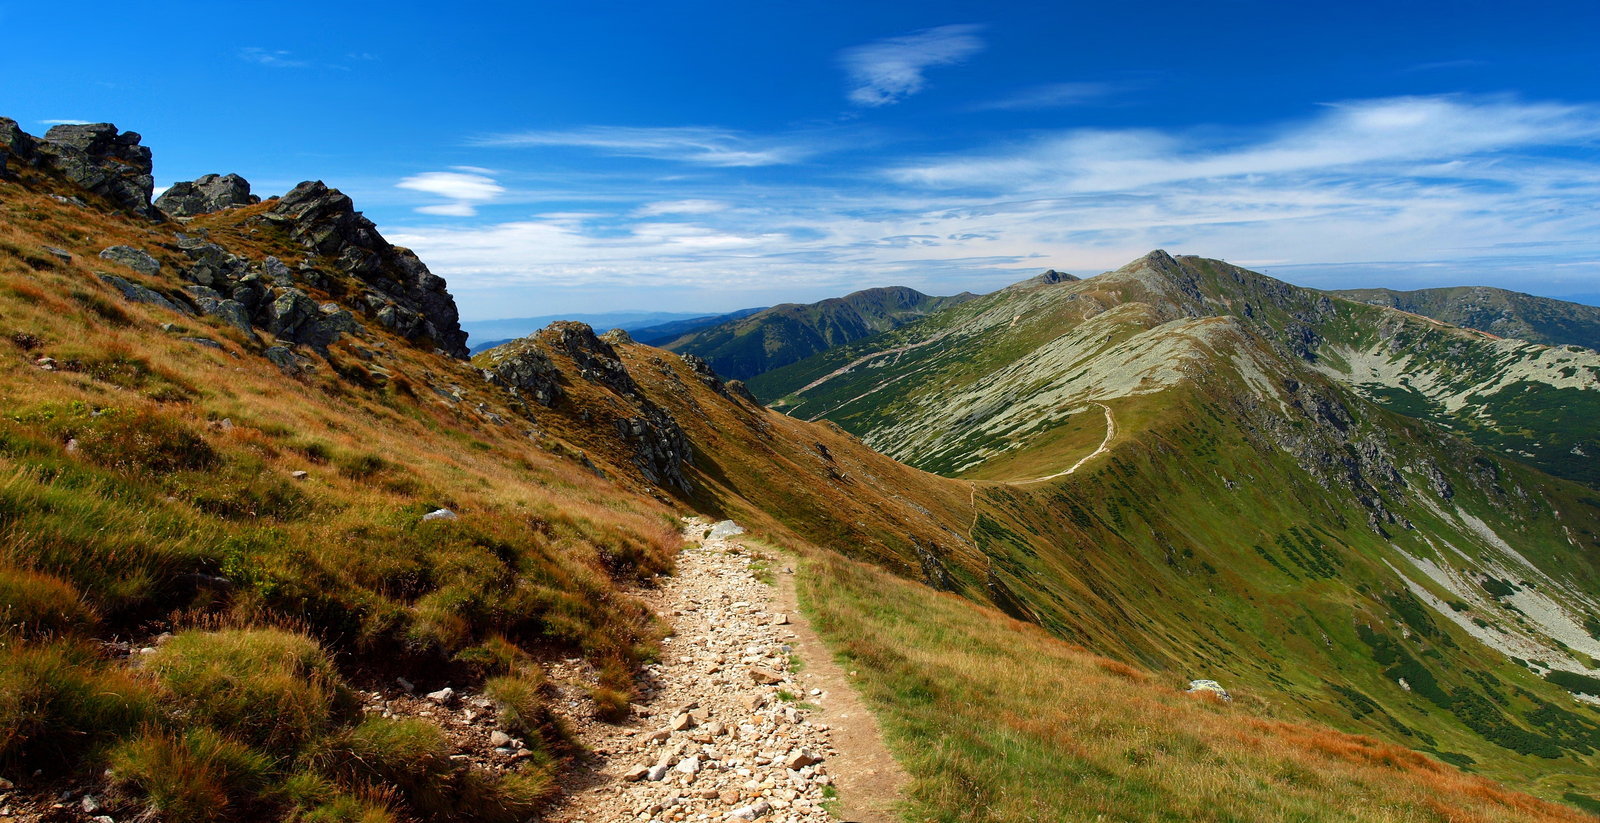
789,332
1501,312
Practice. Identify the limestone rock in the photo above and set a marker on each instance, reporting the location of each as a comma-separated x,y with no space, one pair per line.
1208,687
766,677
206,194
725,530
799,759
440,514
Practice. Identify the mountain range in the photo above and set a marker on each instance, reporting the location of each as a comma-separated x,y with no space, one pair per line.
274,545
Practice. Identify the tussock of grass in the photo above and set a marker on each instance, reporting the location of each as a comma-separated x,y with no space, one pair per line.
413,758
38,604
524,711
274,689
58,700
194,777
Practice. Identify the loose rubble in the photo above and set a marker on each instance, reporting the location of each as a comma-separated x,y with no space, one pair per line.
722,734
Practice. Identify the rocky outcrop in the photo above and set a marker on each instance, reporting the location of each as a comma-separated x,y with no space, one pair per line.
103,160
17,148
402,294
526,371
596,360
206,194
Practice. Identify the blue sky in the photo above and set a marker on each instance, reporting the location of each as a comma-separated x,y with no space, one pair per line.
704,156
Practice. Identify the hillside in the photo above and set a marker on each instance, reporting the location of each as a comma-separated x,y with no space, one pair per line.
1496,311
770,339
1249,512
258,513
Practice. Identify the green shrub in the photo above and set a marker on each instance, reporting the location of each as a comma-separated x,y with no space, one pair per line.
198,777
271,688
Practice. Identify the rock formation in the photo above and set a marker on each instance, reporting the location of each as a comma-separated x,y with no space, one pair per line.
206,194
104,161
401,293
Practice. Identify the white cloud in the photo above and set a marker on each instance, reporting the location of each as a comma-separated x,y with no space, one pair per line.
275,58
666,207
687,144
1485,189
888,71
1347,135
465,189
66,122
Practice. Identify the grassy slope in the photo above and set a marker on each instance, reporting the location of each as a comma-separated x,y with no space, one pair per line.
145,486
1201,547
998,721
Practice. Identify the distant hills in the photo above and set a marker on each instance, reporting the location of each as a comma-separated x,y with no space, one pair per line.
1496,311
668,332
486,334
787,333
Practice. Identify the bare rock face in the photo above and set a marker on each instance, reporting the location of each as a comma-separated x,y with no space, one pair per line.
103,160
403,295
17,147
206,194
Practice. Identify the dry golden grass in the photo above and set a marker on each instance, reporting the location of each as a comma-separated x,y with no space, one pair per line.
997,721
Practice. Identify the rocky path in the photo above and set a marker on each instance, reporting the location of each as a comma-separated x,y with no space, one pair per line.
746,716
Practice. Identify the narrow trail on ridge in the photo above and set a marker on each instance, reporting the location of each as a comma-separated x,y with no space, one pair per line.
745,717
1111,432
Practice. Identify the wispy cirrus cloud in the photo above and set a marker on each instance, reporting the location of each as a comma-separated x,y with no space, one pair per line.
1052,95
65,122
888,71
1360,135
466,188
274,58
685,144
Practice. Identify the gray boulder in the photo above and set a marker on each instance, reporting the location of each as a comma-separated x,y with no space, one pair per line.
206,194
725,530
213,265
140,294
137,259
104,161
